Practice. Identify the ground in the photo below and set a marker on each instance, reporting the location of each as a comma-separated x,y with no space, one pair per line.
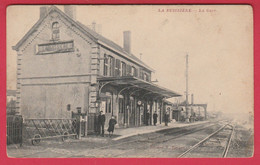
162,143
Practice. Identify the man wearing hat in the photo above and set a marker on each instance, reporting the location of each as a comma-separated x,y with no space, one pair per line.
155,118
101,123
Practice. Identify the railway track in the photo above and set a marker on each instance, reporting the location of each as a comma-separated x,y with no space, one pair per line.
215,145
153,141
163,136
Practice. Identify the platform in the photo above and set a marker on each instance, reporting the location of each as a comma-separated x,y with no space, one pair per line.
127,132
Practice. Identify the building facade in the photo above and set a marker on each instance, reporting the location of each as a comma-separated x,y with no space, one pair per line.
62,66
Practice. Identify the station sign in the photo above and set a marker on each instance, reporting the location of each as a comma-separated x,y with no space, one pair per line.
55,47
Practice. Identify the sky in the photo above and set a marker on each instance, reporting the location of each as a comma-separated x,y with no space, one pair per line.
217,38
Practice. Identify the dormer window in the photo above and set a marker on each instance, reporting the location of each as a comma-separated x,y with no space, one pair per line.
55,31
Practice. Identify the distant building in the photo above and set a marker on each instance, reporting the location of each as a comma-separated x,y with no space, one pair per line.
62,63
10,95
11,102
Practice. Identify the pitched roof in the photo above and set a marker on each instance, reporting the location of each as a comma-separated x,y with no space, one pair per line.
113,45
90,33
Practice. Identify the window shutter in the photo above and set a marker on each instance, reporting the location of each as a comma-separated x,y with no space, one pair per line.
113,67
123,69
117,69
105,65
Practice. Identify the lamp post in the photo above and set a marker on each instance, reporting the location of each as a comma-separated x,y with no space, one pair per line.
187,89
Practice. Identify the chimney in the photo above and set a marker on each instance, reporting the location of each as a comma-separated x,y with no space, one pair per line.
70,10
127,41
43,11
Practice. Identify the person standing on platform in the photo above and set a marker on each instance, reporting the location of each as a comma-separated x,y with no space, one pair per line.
147,117
96,125
101,122
111,127
155,118
166,118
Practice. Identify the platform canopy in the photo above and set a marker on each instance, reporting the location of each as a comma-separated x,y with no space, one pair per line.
130,81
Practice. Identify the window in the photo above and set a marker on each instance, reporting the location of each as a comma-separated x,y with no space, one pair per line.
105,65
128,70
108,106
106,102
118,68
141,74
146,77
55,31
134,71
111,66
123,69
121,105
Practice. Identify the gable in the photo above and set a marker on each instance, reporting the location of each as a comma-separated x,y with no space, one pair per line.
54,15
84,32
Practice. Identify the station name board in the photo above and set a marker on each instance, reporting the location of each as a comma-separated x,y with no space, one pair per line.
55,47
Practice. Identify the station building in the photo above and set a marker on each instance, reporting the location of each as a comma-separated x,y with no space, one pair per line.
62,66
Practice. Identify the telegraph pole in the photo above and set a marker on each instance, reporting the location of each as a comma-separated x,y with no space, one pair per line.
187,89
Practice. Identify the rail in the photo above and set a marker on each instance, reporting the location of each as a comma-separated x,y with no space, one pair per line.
158,137
207,138
228,144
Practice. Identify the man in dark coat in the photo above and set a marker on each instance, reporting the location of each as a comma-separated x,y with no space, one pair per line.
96,124
147,118
111,127
101,122
155,118
166,118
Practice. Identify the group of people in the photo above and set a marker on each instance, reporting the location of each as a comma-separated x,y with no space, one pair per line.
101,124
166,118
112,122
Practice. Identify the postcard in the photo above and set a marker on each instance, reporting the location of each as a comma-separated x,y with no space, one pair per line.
138,81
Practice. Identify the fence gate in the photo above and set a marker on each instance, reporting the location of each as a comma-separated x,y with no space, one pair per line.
14,129
36,130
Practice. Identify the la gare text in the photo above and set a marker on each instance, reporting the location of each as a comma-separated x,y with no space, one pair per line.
184,10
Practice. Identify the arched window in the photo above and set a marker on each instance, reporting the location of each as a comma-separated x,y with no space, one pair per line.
55,31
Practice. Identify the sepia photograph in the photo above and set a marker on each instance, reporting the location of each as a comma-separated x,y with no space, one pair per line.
129,81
